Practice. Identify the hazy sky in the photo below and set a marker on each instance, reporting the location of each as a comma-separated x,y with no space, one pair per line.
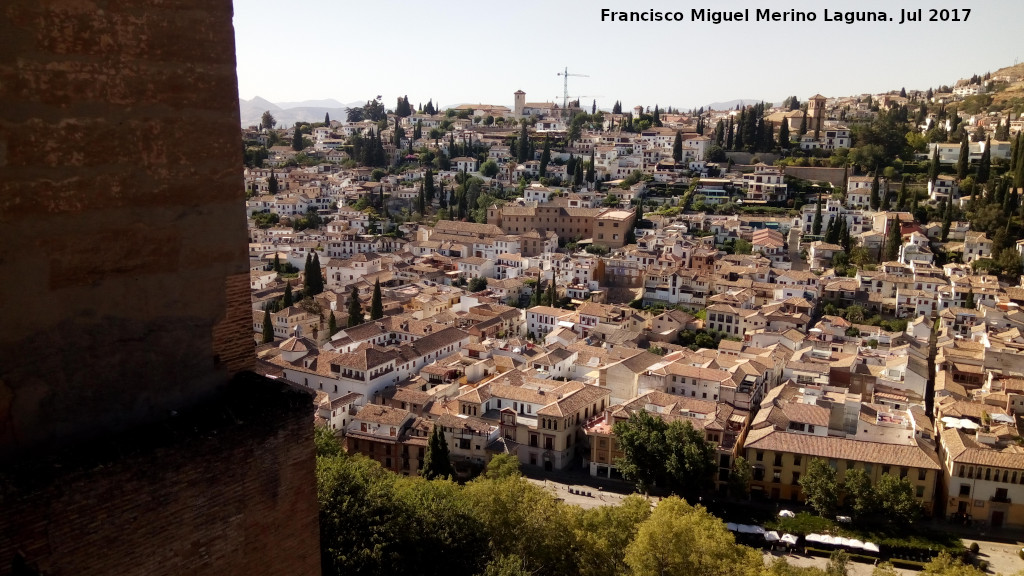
458,51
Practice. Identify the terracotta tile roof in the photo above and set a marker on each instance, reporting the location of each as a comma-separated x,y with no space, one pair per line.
918,456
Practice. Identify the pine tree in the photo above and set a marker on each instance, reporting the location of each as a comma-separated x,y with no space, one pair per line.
332,324
376,304
894,241
677,148
355,310
985,164
963,159
288,300
268,327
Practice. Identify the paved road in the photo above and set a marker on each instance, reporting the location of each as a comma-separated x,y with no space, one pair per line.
1001,555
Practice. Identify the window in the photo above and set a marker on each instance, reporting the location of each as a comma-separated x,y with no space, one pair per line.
760,455
922,473
965,489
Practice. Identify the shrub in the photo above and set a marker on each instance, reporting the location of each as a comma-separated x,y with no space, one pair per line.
975,548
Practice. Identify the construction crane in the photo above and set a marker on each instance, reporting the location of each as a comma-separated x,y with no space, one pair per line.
565,87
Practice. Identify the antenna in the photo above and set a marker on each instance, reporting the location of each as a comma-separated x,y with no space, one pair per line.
565,86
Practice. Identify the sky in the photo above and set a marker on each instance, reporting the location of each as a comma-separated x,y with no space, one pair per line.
457,51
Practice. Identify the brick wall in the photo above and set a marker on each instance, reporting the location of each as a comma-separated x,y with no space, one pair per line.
121,214
227,488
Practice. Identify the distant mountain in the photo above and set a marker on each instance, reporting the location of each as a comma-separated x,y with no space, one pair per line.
731,104
288,113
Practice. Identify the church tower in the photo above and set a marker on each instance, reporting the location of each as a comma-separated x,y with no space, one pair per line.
816,113
520,103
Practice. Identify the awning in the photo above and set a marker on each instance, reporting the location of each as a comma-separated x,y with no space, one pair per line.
786,514
771,536
789,539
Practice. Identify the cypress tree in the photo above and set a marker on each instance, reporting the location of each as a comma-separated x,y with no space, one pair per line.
376,304
524,145
272,184
545,157
894,241
933,168
963,159
428,186
436,463
985,164
297,138
327,118
355,310
803,123
677,147
552,293
784,135
332,324
277,262
831,231
590,167
875,201
288,299
577,176
307,274
730,137
816,224
268,327
947,219
844,235
421,201
901,199
969,302
317,283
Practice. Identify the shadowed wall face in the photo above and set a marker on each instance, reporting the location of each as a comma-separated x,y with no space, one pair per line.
122,232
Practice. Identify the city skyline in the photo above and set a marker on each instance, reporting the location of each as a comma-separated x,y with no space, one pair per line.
458,54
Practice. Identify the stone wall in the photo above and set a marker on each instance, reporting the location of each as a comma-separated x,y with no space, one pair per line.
224,488
121,215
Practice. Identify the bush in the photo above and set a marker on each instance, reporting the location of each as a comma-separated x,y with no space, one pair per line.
975,548
908,564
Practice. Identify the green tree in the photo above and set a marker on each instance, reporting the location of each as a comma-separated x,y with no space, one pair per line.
816,224
860,497
838,564
740,475
502,466
784,135
642,441
332,324
477,284
297,138
933,168
436,463
947,219
821,487
603,534
268,327
690,463
895,501
267,121
963,159
489,168
355,309
985,163
307,274
545,157
272,184
524,145
875,200
681,540
376,304
677,147
288,299
893,241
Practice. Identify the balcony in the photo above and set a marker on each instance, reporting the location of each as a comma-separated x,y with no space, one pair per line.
1000,499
